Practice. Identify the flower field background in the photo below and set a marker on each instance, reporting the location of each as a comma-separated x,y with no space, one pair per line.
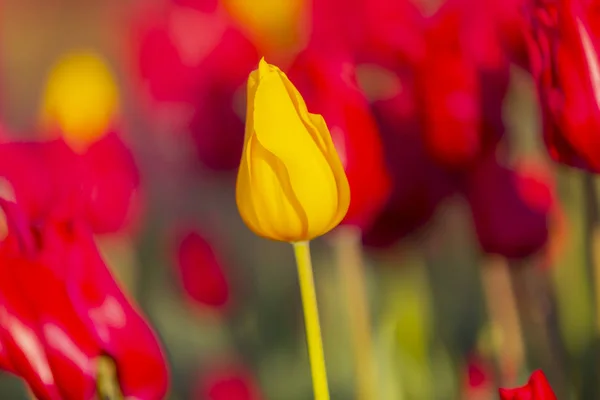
469,132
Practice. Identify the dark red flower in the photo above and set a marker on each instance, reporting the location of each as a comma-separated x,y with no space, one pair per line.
228,383
510,208
327,82
61,309
564,56
200,271
418,184
537,388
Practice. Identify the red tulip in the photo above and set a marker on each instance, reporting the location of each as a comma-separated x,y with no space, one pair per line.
117,324
230,383
193,54
462,82
537,388
200,271
564,56
328,83
61,309
510,209
46,176
37,292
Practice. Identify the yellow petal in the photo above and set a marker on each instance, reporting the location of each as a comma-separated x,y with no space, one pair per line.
81,98
290,175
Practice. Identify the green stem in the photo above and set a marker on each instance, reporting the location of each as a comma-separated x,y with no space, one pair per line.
311,317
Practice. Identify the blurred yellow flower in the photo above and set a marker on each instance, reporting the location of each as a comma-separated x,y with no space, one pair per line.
81,98
271,23
291,185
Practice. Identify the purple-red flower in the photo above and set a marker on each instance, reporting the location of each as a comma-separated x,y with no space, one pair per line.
565,39
537,388
61,309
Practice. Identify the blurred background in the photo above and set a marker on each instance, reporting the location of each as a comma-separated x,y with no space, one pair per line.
469,259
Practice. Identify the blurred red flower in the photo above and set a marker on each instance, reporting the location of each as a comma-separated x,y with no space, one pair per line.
510,208
103,180
478,382
511,25
419,185
537,388
228,383
385,32
564,55
327,82
462,82
192,54
200,271
61,309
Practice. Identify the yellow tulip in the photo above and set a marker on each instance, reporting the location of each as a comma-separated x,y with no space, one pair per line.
81,98
291,185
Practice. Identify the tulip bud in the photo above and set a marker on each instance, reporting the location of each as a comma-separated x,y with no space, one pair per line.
291,184
81,98
537,388
328,82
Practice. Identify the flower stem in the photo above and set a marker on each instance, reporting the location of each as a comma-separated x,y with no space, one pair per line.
504,317
593,240
351,271
106,380
311,318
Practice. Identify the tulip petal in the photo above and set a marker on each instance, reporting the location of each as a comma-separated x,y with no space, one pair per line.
285,217
308,155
